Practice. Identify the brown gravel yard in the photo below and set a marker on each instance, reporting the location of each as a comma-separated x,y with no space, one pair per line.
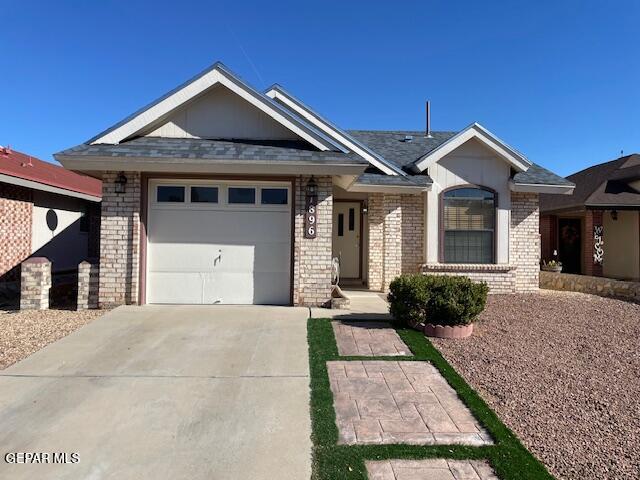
25,332
562,370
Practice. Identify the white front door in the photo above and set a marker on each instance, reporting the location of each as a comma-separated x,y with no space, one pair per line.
218,242
346,237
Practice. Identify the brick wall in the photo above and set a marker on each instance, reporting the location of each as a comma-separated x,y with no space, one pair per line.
548,236
312,257
499,278
119,241
524,240
412,232
16,216
375,218
396,237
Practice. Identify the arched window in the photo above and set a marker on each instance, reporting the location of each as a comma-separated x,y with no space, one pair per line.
468,224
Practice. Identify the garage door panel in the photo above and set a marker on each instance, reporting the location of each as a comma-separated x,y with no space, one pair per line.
223,255
263,257
195,226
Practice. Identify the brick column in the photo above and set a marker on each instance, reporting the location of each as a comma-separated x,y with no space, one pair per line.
375,218
524,240
592,219
312,256
119,241
392,260
35,283
88,283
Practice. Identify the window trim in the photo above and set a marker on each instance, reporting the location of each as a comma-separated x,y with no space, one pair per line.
441,232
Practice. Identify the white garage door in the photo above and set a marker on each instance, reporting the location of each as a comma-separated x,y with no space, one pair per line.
212,242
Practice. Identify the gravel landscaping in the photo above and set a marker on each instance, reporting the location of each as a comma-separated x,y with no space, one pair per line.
25,332
562,370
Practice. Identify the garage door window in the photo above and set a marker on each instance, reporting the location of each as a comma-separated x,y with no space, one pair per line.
274,196
170,194
242,195
204,194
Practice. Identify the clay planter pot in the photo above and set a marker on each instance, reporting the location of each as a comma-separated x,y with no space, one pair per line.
440,331
552,269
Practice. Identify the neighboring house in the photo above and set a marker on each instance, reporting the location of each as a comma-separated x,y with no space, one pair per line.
596,231
45,211
230,195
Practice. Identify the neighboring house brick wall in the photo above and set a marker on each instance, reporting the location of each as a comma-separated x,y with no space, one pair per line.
524,240
312,256
549,236
119,241
16,211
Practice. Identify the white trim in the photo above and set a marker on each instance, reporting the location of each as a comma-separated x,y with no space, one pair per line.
298,107
21,182
477,131
217,75
541,188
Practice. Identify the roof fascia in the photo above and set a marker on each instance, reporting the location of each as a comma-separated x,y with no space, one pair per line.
22,182
278,93
477,131
541,188
217,74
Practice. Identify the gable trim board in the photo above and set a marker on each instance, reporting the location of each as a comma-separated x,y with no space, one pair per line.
477,131
153,114
280,94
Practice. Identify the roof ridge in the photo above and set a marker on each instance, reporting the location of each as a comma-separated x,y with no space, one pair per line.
417,132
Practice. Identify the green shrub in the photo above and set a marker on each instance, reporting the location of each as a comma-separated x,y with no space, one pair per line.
441,300
408,296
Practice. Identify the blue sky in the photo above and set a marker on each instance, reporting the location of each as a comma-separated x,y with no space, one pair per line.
558,80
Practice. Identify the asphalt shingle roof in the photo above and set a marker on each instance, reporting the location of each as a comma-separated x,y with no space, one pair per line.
602,184
393,147
394,180
195,148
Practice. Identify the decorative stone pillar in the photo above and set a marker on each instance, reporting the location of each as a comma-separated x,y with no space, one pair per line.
35,283
88,284
593,243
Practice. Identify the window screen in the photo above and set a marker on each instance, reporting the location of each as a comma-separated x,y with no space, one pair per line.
170,194
469,224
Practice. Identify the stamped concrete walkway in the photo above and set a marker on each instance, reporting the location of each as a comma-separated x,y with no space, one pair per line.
383,402
368,339
431,469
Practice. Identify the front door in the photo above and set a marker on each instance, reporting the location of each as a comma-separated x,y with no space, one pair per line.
569,245
346,237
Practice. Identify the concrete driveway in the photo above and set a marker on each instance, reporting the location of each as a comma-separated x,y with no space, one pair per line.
194,392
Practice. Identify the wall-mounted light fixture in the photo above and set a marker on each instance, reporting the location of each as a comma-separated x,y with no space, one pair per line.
614,215
312,188
121,183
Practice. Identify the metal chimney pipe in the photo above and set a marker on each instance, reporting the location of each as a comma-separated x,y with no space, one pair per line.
428,127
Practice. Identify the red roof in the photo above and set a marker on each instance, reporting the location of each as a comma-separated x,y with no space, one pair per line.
20,165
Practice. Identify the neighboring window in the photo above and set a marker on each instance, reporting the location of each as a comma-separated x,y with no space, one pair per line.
469,224
242,195
274,196
352,219
170,194
204,194
340,224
